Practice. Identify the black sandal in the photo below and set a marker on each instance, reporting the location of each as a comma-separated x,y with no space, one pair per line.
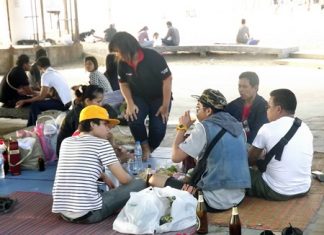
6,204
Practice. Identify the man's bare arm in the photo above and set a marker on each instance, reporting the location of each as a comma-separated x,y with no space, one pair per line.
254,154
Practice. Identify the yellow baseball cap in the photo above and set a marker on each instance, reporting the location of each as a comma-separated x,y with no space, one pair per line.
96,112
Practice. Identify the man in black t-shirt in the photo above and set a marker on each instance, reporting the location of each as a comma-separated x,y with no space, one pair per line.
110,32
15,85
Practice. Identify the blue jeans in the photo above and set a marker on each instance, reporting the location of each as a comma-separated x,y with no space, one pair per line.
39,106
114,200
156,128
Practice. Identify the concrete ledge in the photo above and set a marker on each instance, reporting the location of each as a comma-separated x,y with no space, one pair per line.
308,55
280,52
58,54
21,113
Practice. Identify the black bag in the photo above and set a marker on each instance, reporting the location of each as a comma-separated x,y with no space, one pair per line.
6,204
291,231
267,232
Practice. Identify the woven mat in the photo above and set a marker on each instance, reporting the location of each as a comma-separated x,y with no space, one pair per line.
260,214
32,215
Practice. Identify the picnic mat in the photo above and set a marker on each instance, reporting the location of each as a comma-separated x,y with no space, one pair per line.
256,213
32,215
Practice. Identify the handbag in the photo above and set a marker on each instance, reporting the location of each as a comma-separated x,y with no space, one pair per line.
30,156
157,210
47,133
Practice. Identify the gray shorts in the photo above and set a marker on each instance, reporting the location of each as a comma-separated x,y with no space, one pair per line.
260,189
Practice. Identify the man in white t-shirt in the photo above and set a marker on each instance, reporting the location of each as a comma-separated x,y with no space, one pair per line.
54,94
290,176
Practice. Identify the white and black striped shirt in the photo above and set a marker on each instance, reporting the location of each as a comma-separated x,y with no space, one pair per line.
80,164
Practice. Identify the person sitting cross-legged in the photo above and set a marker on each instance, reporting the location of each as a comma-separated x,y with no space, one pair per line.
288,173
82,159
15,85
225,175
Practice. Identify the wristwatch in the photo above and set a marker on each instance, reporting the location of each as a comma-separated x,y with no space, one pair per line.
182,127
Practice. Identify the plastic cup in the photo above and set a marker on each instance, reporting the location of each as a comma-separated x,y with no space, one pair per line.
193,114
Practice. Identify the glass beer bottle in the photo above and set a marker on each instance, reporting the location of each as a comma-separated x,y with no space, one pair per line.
148,175
201,212
235,223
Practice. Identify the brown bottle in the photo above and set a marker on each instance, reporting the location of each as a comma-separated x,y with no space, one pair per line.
148,175
201,211
235,223
41,164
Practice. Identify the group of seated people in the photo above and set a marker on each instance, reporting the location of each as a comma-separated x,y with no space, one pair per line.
226,145
50,92
172,38
234,146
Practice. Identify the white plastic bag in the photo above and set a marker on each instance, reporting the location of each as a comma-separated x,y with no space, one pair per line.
144,209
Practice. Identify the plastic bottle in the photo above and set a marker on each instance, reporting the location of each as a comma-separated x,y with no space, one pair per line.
138,158
235,223
2,170
201,213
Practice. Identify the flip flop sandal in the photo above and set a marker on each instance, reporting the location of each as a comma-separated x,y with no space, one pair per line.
6,204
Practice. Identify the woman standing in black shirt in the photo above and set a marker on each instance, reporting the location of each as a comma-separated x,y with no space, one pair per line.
145,82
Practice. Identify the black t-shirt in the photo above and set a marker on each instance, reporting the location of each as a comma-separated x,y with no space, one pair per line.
17,78
147,80
111,71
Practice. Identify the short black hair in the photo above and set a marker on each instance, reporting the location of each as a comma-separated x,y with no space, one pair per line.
88,92
85,126
285,98
43,62
169,23
252,77
243,21
93,60
40,52
22,59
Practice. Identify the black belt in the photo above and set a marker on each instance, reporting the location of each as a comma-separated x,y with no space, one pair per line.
79,219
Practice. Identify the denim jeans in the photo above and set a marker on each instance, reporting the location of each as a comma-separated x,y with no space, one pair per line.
156,128
114,200
39,106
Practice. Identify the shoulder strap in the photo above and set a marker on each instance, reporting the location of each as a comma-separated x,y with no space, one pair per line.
7,80
201,165
278,148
